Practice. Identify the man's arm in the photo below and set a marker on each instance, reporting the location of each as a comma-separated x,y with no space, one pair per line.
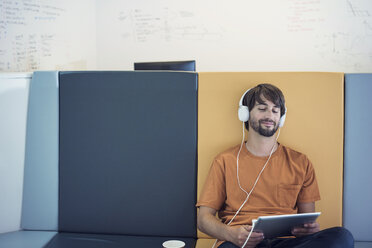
209,224
309,228
306,207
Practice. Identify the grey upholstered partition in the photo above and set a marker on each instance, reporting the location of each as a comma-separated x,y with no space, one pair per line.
110,160
357,164
127,158
40,187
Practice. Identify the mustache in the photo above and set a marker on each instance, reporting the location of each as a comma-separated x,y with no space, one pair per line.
267,120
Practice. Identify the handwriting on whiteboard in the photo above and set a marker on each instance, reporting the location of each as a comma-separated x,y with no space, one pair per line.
166,25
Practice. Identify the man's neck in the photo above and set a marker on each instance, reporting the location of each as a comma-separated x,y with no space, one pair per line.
259,145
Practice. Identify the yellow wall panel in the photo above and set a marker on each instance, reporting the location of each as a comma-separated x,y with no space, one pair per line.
204,243
314,125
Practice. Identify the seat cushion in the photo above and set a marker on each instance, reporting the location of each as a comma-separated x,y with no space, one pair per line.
26,239
75,240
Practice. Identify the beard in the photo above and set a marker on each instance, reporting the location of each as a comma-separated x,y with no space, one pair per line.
258,127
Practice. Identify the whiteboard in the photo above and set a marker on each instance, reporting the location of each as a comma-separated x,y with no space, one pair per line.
237,35
13,112
234,35
47,35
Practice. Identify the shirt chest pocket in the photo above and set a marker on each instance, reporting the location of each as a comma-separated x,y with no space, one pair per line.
287,195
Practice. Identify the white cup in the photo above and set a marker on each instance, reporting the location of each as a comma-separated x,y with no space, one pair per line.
174,244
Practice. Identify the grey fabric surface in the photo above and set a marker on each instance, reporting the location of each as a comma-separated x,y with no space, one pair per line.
40,188
357,156
363,244
25,239
128,143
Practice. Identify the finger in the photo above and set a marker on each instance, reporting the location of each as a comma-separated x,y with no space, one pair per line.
300,230
304,232
311,225
306,229
256,237
255,240
297,231
257,234
249,228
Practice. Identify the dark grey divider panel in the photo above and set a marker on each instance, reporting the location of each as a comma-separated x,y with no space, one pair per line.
166,65
357,164
128,153
40,188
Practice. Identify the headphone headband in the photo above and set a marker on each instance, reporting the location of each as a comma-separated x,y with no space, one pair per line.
241,99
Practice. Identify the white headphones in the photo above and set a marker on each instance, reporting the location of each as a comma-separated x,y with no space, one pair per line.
243,112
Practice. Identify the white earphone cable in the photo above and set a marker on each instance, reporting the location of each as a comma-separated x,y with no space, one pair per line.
254,185
258,177
253,223
249,235
237,166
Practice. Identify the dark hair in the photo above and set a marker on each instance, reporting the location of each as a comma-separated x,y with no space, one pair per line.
270,92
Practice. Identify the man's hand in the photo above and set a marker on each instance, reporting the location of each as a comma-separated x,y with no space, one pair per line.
209,224
239,234
307,229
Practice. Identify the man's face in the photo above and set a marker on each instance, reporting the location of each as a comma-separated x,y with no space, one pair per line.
264,117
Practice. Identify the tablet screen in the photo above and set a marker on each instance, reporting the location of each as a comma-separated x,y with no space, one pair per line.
281,225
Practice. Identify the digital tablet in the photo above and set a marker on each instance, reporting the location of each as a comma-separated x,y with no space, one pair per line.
281,225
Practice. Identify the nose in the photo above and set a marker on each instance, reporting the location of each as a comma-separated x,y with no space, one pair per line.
269,114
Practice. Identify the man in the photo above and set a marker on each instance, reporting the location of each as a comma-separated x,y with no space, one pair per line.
262,177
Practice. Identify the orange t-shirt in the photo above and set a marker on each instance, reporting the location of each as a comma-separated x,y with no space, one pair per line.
288,178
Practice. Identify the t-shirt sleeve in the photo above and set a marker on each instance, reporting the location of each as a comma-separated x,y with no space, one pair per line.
310,190
214,191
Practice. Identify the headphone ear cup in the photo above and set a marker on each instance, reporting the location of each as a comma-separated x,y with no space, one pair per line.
282,120
243,113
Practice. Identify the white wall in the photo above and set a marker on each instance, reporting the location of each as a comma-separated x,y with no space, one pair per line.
13,111
47,35
237,35
234,35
